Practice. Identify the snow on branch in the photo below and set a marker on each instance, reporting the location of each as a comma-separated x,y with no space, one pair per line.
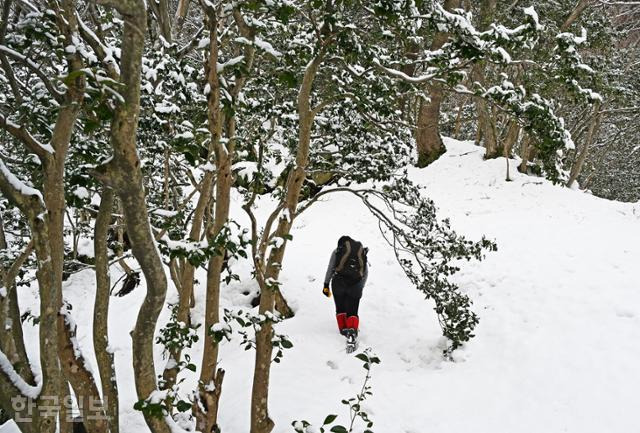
30,391
19,132
403,76
57,94
105,53
14,188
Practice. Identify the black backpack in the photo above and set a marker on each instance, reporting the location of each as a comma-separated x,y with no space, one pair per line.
351,259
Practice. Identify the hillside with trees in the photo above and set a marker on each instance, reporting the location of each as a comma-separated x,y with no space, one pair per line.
161,160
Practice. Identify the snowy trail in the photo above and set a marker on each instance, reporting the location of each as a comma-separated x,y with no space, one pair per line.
559,304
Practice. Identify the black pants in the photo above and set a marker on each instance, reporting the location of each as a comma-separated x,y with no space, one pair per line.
346,295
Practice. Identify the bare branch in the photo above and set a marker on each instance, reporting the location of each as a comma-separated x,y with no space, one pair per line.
195,39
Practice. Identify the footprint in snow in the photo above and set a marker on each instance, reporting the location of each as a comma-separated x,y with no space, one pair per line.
332,365
625,313
347,379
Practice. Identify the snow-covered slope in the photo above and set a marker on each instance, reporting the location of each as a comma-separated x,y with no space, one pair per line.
556,349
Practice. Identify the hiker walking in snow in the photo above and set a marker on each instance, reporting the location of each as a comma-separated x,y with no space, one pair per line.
347,272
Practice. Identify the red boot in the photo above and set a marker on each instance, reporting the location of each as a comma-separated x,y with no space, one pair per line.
353,322
342,321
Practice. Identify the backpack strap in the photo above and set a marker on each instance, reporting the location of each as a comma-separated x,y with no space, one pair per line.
361,261
344,257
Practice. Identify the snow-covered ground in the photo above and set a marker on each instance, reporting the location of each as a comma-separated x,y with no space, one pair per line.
557,346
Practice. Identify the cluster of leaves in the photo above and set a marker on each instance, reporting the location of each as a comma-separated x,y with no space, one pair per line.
173,124
531,67
228,243
551,82
177,335
161,403
356,411
250,323
429,251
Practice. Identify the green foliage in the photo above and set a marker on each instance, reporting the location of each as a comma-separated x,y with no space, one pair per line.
161,403
176,335
227,243
429,251
153,409
248,320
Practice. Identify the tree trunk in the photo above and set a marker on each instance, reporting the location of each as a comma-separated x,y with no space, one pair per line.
32,206
206,407
207,410
185,278
458,123
525,152
104,356
594,127
125,174
160,9
428,140
181,15
260,420
486,123
575,14
511,138
54,198
74,366
46,221
11,340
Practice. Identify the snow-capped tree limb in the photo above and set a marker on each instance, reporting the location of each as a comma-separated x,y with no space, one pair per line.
36,69
19,132
621,110
613,3
404,77
27,6
13,384
6,66
28,199
125,7
98,48
193,43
